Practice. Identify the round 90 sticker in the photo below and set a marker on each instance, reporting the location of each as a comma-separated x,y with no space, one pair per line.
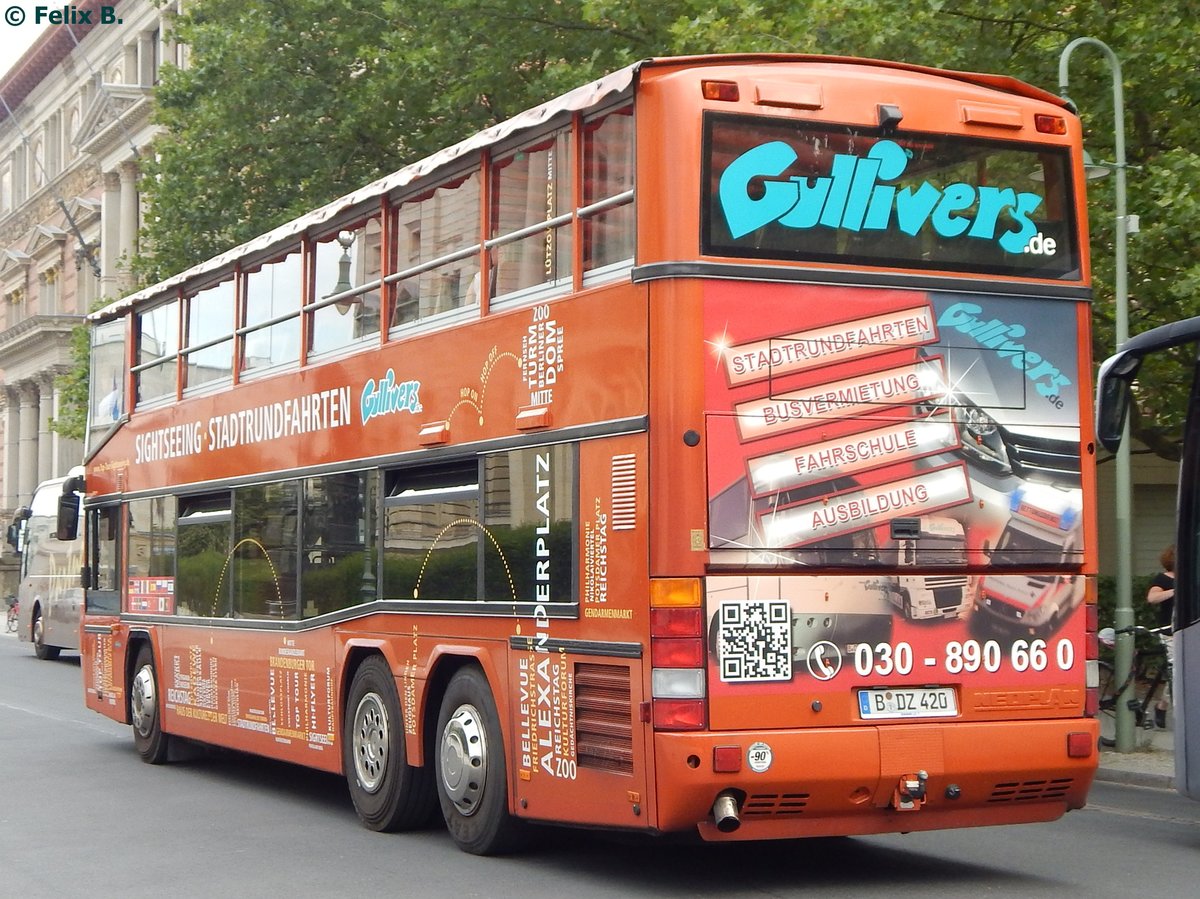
759,757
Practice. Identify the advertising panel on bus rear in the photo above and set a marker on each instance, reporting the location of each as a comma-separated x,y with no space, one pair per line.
894,490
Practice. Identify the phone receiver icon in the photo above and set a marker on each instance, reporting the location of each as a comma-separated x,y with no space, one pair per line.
824,660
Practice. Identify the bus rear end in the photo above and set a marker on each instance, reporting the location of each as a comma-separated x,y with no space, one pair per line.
887,325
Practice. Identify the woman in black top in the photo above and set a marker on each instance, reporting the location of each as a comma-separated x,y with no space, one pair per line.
1162,594
1162,588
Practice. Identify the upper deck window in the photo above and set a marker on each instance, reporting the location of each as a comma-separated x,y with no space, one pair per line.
273,293
158,345
209,345
437,251
530,229
349,265
607,213
107,378
779,189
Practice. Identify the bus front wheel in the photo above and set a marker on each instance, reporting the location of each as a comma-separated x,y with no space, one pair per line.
388,793
40,649
148,737
472,781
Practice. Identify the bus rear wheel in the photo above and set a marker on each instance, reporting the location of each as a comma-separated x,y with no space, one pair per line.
472,780
40,649
145,712
388,793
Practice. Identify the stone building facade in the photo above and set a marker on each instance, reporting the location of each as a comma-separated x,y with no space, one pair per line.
74,121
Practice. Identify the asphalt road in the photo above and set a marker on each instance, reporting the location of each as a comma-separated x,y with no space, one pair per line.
81,815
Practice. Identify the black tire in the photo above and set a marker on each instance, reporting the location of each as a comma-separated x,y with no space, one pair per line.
388,793
40,649
472,777
146,710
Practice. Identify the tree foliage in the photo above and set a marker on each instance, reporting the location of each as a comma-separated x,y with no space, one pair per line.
287,105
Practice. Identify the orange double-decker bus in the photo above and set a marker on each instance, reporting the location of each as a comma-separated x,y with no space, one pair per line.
701,451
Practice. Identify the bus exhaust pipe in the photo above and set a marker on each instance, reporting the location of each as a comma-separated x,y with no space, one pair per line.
725,812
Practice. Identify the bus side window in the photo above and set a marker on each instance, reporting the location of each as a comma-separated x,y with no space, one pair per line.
102,574
203,529
263,562
339,526
432,533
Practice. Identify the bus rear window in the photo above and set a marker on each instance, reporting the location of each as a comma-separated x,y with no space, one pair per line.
789,190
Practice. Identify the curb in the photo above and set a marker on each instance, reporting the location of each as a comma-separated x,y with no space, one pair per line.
1135,778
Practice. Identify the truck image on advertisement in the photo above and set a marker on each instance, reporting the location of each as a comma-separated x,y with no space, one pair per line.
1043,529
929,541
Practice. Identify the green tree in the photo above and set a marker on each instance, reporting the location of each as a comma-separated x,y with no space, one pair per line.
286,106
1157,49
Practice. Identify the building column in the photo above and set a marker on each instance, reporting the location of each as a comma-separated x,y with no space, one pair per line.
129,67
29,441
146,58
110,236
12,446
129,216
45,453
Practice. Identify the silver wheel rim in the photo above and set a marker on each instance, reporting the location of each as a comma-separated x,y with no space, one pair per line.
370,742
142,702
464,759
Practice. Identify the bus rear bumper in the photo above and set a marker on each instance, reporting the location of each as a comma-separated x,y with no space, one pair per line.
851,780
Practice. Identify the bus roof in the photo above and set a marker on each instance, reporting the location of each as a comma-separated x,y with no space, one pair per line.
581,98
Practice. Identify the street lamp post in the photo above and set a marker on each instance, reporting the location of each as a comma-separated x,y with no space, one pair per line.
1124,531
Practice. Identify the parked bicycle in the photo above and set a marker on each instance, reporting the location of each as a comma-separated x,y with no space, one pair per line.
13,610
1149,673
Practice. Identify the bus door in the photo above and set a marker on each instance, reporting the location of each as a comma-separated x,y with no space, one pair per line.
102,644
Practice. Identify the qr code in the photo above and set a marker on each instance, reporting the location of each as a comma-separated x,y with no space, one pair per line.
754,641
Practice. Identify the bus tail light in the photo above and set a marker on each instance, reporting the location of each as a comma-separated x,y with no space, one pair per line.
1091,648
1079,745
676,622
1050,124
679,714
1091,695
678,658
725,91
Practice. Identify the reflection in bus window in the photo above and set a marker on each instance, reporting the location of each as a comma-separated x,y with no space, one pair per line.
158,343
338,562
151,545
210,318
104,597
529,503
437,251
432,534
273,290
263,568
608,176
107,378
203,547
531,186
349,264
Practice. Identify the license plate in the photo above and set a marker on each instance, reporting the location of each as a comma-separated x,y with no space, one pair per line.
908,702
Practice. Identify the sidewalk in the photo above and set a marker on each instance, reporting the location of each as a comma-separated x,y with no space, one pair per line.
1150,764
